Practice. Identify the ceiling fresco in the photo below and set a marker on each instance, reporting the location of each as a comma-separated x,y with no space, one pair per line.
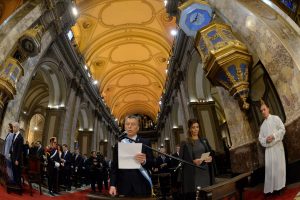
126,45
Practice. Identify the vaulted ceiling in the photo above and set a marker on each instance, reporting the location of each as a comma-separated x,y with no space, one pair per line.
126,45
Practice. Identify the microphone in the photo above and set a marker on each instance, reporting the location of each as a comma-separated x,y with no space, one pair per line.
178,166
122,135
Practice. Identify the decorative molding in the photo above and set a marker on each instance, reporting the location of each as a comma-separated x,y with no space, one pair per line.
30,41
9,76
225,60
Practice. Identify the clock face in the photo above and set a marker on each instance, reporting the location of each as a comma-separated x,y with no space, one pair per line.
194,16
197,19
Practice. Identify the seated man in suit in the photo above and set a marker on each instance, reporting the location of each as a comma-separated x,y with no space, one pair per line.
132,182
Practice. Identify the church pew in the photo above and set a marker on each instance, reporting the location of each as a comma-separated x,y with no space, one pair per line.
232,188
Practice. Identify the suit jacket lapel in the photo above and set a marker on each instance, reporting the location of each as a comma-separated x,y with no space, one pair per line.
137,139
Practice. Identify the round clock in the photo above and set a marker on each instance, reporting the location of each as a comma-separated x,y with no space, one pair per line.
194,15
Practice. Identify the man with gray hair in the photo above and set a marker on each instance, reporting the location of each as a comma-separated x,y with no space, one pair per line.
132,182
16,153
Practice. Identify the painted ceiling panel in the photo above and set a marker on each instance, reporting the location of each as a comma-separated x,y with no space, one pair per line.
126,45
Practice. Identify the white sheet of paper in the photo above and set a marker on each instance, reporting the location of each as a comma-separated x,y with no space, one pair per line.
126,153
204,155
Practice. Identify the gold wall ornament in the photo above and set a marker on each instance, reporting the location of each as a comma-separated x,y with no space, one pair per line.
225,60
10,73
31,41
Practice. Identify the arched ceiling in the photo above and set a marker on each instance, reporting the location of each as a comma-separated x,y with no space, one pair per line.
8,7
126,45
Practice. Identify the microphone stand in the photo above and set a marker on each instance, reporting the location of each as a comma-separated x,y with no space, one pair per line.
124,135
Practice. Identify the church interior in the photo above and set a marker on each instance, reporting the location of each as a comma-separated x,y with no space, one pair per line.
74,69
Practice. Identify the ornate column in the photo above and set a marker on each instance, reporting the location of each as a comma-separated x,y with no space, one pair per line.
53,124
100,136
85,138
96,130
178,134
182,100
70,109
75,116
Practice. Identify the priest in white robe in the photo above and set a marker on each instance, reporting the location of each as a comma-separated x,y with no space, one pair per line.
270,136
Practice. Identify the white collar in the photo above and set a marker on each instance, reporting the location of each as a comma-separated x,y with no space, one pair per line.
17,133
133,138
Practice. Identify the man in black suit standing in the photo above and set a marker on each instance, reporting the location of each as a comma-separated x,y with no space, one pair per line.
40,151
163,163
132,182
77,168
16,153
53,161
174,175
66,162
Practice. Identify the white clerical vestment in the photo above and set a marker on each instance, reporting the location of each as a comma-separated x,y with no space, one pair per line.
275,169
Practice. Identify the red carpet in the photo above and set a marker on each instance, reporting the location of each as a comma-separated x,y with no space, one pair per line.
288,194
80,195
250,194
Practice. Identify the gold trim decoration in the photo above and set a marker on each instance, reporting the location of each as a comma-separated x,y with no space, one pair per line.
10,73
31,41
225,60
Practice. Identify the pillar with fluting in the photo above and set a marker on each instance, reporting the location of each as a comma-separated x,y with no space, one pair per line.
53,124
75,117
70,109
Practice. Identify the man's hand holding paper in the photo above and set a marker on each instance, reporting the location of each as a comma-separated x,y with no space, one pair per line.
141,158
130,156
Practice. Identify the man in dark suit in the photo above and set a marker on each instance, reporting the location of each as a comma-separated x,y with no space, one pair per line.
66,162
16,153
163,164
96,167
77,168
174,163
40,152
53,161
132,182
174,174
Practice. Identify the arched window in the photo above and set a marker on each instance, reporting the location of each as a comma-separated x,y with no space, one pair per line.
261,86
